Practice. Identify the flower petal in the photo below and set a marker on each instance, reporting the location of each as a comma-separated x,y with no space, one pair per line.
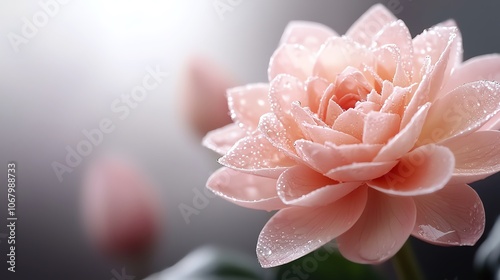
477,156
222,139
284,90
325,157
492,124
380,127
351,122
245,190
432,43
405,139
382,229
422,171
296,231
362,171
484,67
390,65
316,87
308,34
277,135
369,24
395,103
462,111
321,134
248,103
451,216
397,33
337,54
295,60
303,186
254,154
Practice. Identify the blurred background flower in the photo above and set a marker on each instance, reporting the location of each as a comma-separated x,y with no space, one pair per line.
121,211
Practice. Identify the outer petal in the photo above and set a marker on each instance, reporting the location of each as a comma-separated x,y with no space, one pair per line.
296,231
369,24
285,90
422,171
248,103
222,139
302,186
382,229
451,216
280,137
254,154
477,156
485,67
245,189
308,34
295,60
461,111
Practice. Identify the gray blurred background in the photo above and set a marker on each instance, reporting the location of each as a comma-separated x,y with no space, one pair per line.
64,79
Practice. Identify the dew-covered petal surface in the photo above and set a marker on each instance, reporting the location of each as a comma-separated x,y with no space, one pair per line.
484,67
397,33
477,156
284,91
382,229
248,103
432,43
424,170
303,186
404,141
369,24
461,111
222,139
278,135
245,190
308,34
256,155
294,232
450,217
492,124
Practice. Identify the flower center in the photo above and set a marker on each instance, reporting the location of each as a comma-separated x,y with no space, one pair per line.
347,101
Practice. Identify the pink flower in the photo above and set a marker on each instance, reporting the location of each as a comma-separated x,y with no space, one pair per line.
365,138
203,104
120,209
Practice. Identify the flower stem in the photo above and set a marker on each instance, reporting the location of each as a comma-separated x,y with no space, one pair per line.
406,264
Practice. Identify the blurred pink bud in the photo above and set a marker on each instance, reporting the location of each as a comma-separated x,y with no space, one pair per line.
203,94
120,210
